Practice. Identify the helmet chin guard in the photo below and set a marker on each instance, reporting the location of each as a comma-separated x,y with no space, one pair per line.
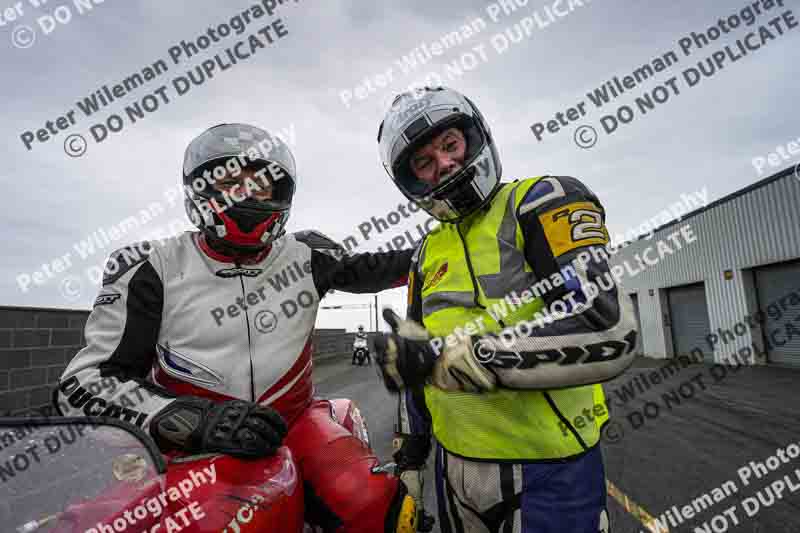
240,230
413,120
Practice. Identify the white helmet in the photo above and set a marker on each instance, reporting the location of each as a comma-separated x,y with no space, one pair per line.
412,120
249,225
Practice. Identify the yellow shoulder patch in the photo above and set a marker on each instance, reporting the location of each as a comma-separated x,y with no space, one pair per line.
573,226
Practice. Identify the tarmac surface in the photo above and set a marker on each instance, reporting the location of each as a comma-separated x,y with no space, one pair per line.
689,447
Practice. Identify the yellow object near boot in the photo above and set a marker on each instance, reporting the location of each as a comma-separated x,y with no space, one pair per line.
407,517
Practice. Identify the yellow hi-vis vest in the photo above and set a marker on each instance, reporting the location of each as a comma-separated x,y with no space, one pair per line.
506,424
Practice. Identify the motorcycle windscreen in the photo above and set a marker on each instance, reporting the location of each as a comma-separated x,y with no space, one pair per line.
59,476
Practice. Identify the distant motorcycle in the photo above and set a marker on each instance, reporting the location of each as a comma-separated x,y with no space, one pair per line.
361,352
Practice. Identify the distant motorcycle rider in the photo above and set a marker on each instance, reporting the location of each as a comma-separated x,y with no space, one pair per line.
507,334
205,338
360,344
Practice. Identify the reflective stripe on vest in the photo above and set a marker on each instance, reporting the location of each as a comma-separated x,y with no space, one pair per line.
506,424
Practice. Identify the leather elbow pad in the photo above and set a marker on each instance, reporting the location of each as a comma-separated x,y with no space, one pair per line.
570,366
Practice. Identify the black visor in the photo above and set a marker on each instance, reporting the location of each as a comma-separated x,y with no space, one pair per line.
268,176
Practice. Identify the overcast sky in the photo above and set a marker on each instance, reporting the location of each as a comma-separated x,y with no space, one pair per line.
704,137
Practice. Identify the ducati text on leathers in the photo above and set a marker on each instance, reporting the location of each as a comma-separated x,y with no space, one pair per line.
173,318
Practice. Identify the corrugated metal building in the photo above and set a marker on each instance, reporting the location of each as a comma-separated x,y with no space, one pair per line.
723,283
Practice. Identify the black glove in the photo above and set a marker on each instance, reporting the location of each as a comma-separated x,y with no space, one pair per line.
406,357
234,427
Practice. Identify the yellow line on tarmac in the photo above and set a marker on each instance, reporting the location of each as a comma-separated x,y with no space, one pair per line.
633,508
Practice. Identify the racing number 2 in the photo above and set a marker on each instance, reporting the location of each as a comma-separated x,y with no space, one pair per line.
572,226
586,224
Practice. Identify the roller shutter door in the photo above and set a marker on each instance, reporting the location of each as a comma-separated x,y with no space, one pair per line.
688,313
639,341
778,289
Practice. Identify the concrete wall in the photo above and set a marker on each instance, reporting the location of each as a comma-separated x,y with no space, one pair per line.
37,343
337,342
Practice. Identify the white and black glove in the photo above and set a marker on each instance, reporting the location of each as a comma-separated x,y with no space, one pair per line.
407,358
459,370
235,427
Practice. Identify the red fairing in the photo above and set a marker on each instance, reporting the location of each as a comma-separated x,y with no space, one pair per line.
221,493
349,416
339,467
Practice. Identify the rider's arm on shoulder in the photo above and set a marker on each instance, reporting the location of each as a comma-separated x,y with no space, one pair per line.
107,376
334,268
565,236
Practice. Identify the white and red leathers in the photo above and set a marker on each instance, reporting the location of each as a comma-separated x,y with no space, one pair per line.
177,318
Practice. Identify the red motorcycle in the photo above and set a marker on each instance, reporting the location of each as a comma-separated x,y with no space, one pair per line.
70,475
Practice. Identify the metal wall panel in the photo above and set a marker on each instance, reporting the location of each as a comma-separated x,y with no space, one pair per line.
778,289
756,228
